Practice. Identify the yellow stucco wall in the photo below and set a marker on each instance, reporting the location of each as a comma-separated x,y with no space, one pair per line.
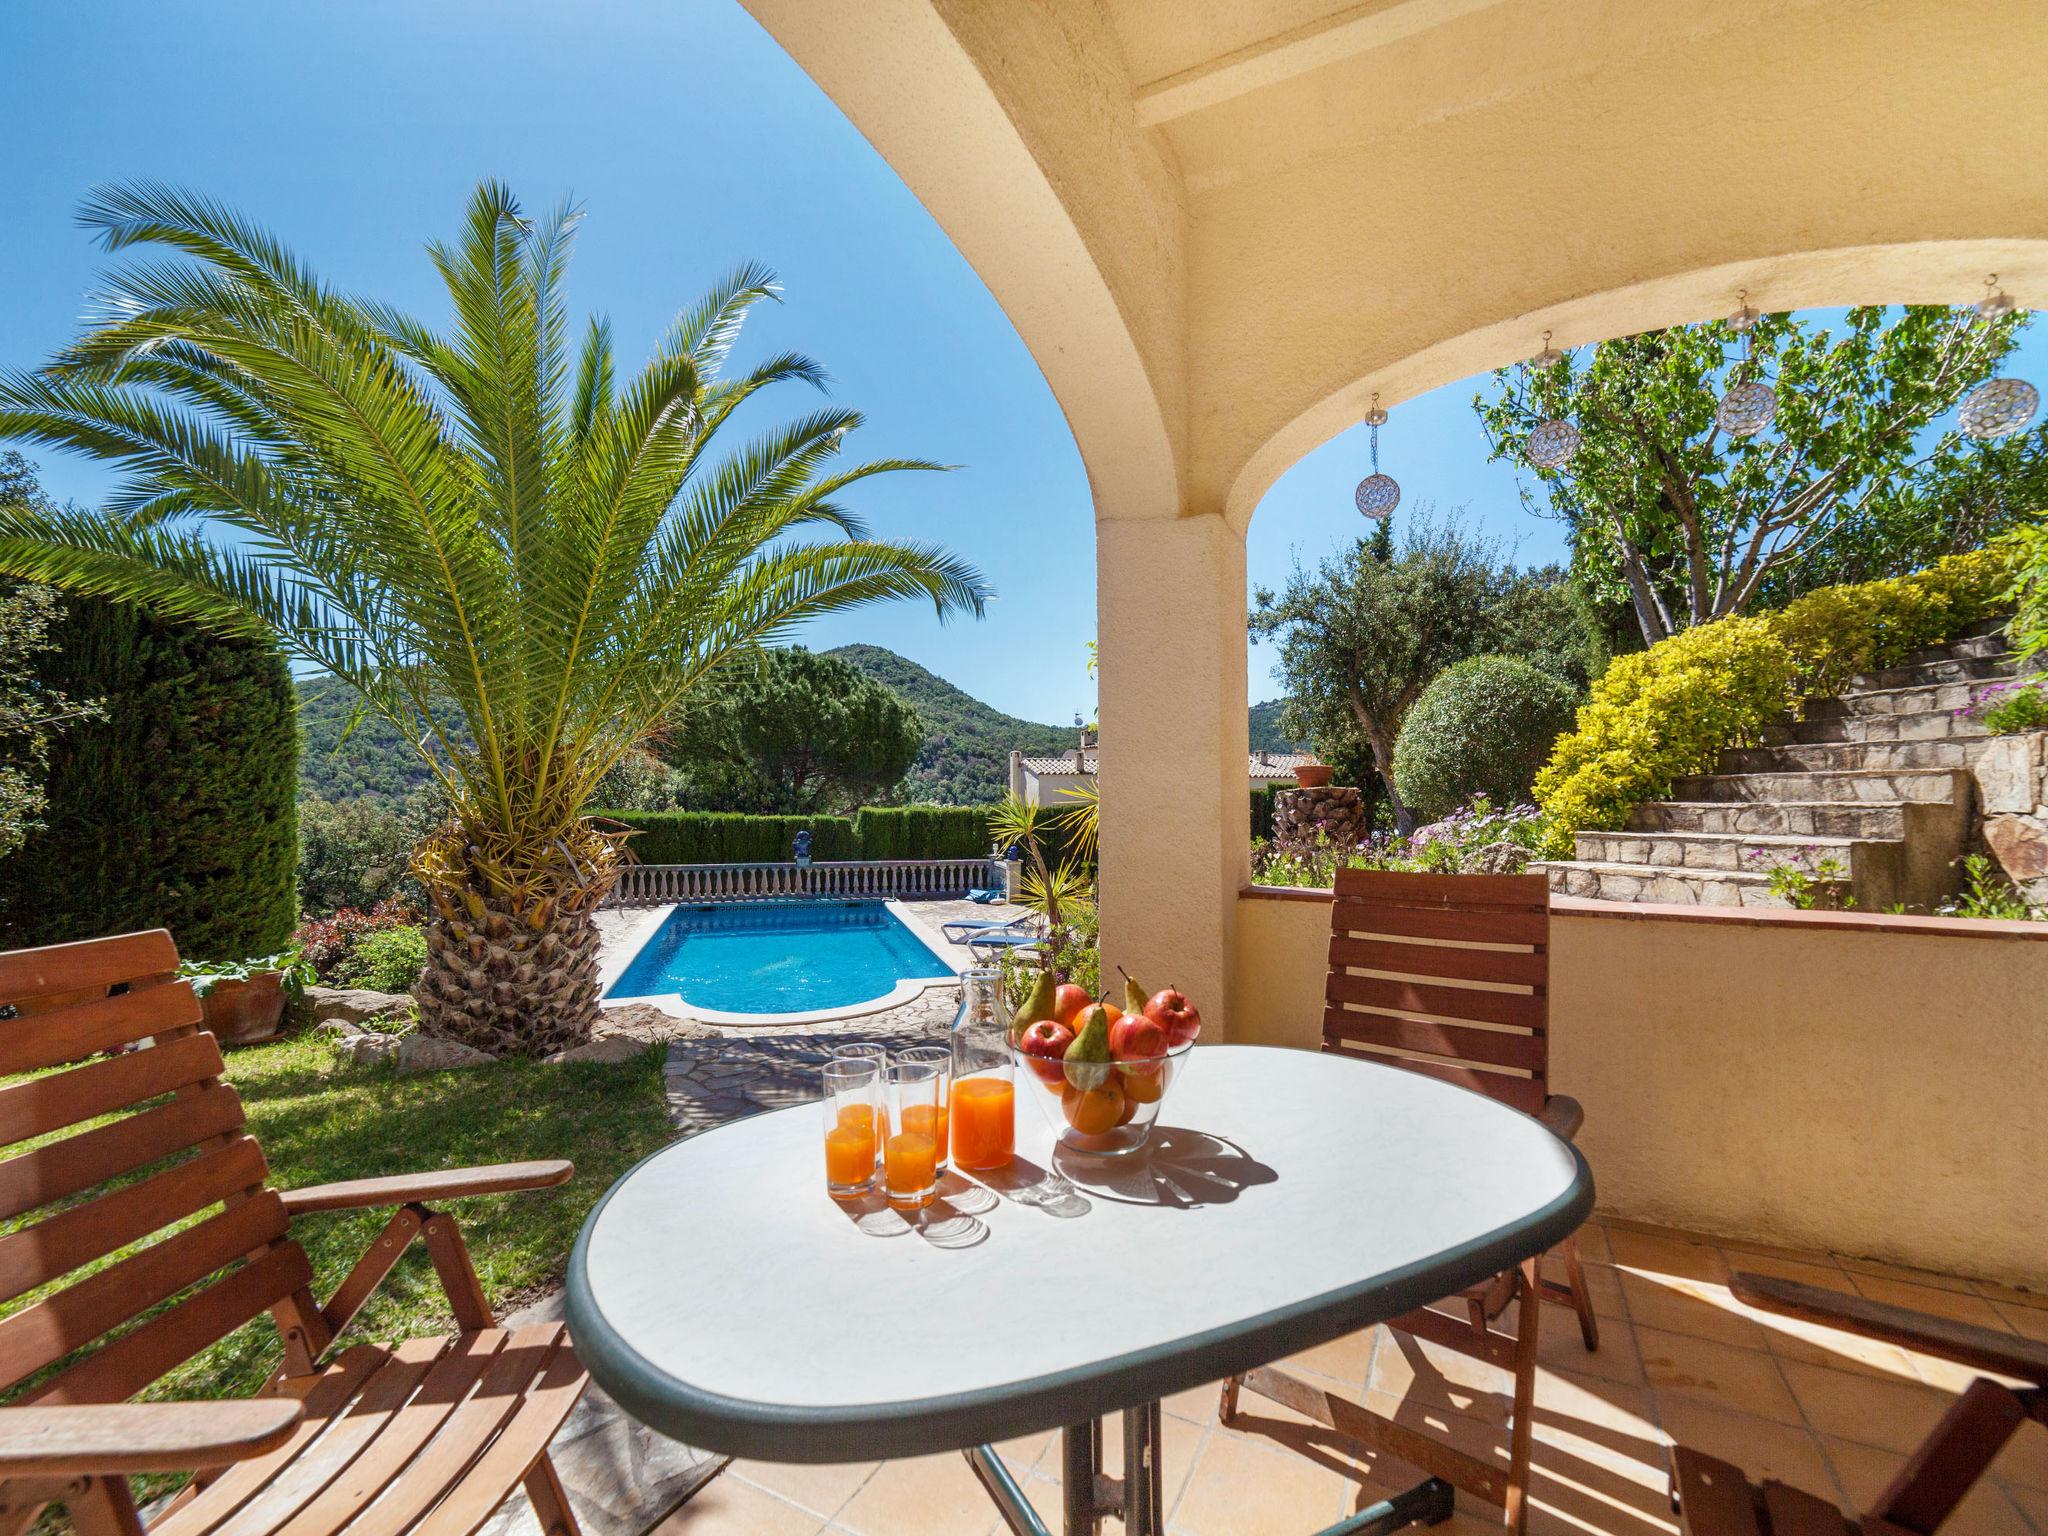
1882,1093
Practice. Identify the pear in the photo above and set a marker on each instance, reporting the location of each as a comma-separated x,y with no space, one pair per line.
1088,1059
1039,1005
1134,995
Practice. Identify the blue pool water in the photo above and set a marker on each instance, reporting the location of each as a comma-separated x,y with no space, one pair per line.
778,957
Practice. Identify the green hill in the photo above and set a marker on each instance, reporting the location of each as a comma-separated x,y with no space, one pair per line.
1266,733
966,755
965,759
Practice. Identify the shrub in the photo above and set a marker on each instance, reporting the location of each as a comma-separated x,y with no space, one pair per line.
1262,811
2004,708
177,809
357,853
387,960
722,837
330,943
1670,710
2027,548
1482,727
922,832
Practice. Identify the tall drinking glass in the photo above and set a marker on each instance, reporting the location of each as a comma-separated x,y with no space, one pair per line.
853,1117
861,1050
983,1107
941,1057
910,1157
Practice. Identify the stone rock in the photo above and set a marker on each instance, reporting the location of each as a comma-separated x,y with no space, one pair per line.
1337,812
604,1048
2020,844
356,1005
1495,859
368,1050
425,1053
2005,771
646,1023
338,1029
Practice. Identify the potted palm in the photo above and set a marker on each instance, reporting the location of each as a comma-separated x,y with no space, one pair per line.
243,1002
523,564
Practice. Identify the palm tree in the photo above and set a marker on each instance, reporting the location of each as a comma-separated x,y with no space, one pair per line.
520,564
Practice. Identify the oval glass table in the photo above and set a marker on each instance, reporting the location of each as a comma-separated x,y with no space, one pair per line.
1286,1198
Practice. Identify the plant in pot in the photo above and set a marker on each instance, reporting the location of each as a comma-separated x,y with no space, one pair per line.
243,1001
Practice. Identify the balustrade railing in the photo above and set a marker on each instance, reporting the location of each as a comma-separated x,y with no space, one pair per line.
651,884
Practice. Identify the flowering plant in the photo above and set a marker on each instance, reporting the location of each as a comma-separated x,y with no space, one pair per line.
2003,708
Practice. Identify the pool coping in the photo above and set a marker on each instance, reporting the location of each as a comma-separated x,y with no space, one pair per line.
907,989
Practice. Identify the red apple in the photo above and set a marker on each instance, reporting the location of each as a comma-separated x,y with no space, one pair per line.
1047,1042
1137,1042
1173,1013
1068,1002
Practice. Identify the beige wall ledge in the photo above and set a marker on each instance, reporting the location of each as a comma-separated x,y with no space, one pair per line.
1869,1084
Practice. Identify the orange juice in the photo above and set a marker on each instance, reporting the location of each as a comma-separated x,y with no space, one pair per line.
924,1120
984,1122
912,1163
850,1155
871,1119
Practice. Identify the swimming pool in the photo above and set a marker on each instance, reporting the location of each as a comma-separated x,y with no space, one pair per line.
779,957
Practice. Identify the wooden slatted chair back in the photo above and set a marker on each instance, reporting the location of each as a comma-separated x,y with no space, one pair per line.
120,1142
1446,975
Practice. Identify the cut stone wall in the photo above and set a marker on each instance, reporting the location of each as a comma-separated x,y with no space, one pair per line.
2012,804
1338,812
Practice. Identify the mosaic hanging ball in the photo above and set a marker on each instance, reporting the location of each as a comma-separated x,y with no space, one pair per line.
1747,409
1552,443
1998,407
1377,496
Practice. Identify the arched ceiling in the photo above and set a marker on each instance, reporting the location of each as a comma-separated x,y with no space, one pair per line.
1220,224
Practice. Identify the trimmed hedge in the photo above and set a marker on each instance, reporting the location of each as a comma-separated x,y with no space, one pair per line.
1483,726
922,832
1666,712
724,837
1262,811
178,809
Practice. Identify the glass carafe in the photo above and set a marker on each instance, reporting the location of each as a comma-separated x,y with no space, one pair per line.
984,1098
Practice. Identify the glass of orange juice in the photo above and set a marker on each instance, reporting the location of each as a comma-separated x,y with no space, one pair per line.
910,1155
940,1056
854,1126
862,1050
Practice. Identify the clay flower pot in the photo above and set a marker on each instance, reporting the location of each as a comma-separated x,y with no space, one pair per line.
245,1012
1314,775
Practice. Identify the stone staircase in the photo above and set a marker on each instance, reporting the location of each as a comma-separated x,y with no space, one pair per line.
1872,787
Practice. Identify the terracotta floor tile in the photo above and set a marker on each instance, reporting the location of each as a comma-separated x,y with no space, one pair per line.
1662,1255
1027,1451
823,1490
1178,1442
1593,1247
1812,1270
922,1496
1893,1415
1791,1339
1698,1307
725,1506
1197,1405
2028,1322
1617,1415
1928,1277
1241,1489
1603,1284
1560,1348
1762,1448
1344,1360
1993,1291
2025,1457
1962,1306
1045,1498
2033,1503
1988,1510
1719,1375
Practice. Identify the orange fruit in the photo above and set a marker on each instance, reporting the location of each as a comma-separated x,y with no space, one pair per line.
1147,1087
1093,1111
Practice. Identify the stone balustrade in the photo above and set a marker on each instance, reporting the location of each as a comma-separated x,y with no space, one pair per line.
652,884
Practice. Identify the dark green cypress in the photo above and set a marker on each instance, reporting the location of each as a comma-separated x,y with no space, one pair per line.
178,809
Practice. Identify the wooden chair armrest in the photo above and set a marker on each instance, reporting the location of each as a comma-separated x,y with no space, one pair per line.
1561,1115
448,1184
110,1439
1981,1349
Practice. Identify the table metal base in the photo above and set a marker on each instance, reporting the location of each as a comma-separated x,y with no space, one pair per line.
1087,1495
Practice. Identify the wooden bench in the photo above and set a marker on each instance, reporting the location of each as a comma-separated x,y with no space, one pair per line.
115,1155
1448,975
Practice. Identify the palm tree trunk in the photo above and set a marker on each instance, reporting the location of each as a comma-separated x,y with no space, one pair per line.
512,965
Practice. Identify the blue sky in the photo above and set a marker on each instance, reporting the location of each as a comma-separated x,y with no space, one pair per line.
356,132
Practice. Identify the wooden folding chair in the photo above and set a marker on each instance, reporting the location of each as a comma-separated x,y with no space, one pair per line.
1717,1499
114,1155
1449,975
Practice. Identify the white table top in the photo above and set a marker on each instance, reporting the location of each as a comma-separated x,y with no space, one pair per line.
1287,1198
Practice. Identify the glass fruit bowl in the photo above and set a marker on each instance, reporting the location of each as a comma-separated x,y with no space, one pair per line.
1105,1109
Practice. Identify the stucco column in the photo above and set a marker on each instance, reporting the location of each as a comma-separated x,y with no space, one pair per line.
1175,817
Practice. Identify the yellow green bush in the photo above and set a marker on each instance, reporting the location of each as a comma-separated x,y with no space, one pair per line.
1669,711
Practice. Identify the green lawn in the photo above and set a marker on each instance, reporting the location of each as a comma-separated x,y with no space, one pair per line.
316,1128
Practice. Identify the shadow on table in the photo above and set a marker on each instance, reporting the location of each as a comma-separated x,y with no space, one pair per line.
1178,1167
952,1220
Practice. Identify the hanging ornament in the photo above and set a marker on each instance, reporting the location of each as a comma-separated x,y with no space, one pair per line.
1997,407
1378,494
1553,441
1747,408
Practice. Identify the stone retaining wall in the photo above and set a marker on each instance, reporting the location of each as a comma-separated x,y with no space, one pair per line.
2012,802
